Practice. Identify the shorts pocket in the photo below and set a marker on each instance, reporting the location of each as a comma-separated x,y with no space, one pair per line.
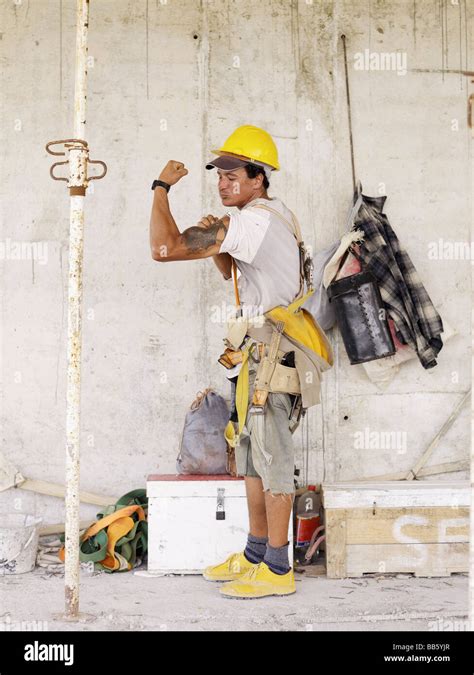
281,401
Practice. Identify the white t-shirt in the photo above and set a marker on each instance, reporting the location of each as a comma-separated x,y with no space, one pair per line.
267,256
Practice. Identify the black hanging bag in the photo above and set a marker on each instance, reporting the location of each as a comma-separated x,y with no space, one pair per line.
361,316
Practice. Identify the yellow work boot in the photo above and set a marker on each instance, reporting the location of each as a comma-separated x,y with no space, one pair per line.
260,582
235,566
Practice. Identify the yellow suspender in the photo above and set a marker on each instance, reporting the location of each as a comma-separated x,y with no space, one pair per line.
236,289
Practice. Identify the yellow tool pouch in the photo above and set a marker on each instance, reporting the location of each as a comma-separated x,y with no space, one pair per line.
300,326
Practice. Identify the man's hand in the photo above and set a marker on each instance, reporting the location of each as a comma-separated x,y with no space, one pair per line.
173,172
223,261
207,221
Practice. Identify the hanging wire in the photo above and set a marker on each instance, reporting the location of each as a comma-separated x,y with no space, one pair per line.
307,449
349,113
323,440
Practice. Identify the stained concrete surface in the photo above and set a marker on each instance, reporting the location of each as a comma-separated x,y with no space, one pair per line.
172,80
127,601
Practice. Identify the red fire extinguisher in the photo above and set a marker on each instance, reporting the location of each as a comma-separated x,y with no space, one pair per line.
307,516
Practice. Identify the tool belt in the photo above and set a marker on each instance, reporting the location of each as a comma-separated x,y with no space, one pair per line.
272,376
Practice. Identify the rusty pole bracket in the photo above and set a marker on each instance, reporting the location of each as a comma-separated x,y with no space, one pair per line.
78,151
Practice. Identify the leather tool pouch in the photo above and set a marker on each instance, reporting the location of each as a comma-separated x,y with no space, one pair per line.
285,379
230,358
361,317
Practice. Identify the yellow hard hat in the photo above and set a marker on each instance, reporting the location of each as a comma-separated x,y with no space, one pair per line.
252,143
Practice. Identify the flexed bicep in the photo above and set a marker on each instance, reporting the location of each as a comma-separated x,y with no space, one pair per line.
199,241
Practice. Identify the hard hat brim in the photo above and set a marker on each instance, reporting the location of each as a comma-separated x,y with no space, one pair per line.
226,163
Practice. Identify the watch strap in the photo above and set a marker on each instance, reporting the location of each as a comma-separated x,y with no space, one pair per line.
160,183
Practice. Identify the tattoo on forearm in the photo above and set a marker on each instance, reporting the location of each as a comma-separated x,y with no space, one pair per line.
202,238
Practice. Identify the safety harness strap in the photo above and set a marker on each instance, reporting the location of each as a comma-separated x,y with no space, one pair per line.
296,232
236,288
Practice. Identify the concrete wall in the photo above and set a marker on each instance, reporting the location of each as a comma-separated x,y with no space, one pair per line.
171,80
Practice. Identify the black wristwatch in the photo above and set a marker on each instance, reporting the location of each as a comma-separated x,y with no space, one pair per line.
162,184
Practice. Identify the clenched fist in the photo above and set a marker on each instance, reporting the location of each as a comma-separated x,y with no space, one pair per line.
173,172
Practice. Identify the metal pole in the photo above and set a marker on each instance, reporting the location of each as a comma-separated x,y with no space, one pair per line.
77,182
471,537
77,164
471,513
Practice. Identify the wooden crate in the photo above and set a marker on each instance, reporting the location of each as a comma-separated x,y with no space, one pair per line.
418,527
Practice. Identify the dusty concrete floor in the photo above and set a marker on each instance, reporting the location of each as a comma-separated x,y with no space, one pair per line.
129,601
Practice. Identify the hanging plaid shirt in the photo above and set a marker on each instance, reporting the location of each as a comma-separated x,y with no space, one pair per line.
417,322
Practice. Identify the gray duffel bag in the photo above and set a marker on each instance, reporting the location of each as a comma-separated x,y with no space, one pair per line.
203,447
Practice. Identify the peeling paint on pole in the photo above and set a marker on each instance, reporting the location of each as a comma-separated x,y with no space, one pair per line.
78,184
73,395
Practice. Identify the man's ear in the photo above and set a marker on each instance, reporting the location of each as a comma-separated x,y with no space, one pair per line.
259,177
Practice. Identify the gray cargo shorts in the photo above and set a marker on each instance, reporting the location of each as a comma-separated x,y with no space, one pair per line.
266,448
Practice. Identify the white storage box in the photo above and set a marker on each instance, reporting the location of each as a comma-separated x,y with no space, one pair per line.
195,521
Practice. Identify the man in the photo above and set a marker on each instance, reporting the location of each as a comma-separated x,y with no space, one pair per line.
267,256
